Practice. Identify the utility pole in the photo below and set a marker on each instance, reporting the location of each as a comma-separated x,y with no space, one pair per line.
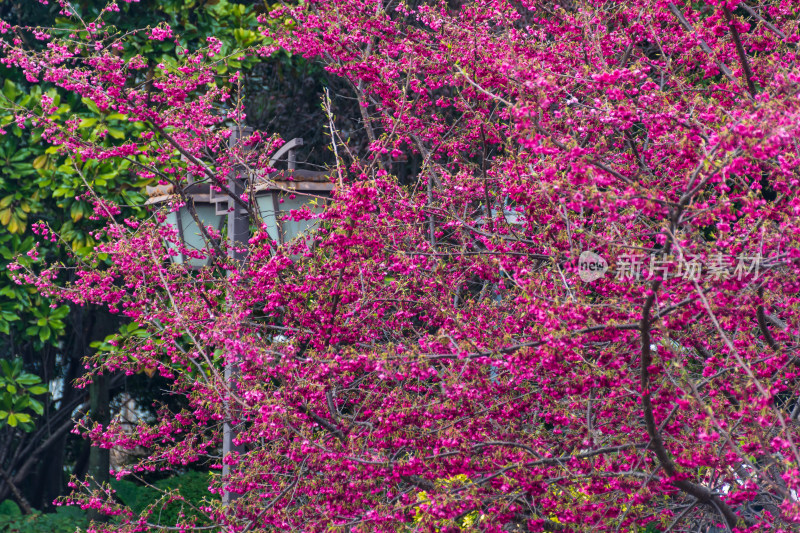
238,237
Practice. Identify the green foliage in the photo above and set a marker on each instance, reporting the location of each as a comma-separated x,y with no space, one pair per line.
233,23
126,331
39,182
48,322
9,508
17,391
652,527
64,520
191,486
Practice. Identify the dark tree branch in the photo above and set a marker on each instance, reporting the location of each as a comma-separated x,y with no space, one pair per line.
329,427
701,493
748,73
762,322
23,502
752,12
703,46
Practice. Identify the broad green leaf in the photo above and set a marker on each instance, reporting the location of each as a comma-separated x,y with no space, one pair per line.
61,312
76,211
40,161
10,90
28,379
15,225
116,133
21,403
37,406
91,105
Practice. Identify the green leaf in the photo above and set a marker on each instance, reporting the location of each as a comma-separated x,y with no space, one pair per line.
10,90
37,406
12,420
61,312
91,105
87,123
76,211
8,315
44,333
38,389
40,161
21,403
116,133
28,379
21,155
3,415
23,417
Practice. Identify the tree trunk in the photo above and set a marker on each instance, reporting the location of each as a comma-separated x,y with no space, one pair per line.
23,503
99,458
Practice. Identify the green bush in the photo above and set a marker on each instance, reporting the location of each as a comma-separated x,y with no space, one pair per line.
193,486
64,520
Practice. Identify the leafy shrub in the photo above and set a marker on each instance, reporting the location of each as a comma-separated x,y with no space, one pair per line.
192,486
64,520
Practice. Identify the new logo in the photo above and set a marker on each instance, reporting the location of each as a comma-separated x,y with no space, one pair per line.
591,266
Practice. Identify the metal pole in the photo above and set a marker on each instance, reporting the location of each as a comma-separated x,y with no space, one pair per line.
238,237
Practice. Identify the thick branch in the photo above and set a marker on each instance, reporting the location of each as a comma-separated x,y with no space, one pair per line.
236,199
761,19
329,427
703,46
762,323
33,459
748,74
703,495
23,502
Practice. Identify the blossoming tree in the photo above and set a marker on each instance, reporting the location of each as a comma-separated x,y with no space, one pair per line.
580,313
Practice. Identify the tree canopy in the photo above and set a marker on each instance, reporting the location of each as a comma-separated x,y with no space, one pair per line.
554,287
